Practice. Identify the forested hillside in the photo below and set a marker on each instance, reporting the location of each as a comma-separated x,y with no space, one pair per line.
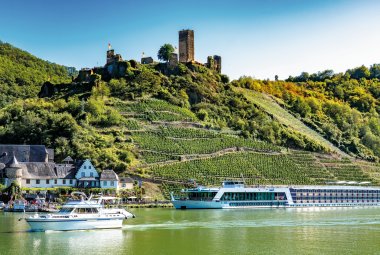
22,74
344,108
171,125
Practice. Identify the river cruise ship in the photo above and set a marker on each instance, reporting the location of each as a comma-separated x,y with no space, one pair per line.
86,213
234,194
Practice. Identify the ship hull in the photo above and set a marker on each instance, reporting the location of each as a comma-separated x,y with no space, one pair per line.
187,204
74,224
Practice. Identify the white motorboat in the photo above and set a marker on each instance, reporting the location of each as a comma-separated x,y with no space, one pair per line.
86,213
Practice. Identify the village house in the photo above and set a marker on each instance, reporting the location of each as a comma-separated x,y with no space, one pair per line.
33,166
126,183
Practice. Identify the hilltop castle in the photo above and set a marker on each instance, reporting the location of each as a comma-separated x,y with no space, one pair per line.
116,67
186,46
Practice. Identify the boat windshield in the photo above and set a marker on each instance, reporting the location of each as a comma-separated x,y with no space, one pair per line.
66,210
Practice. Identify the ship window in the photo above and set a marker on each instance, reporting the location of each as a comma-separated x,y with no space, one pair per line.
66,210
80,210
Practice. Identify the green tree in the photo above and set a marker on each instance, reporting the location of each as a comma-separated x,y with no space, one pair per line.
165,51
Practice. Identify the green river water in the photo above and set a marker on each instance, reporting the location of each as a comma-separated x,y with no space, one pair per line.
242,231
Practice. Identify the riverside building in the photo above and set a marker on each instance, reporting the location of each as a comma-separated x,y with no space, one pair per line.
33,166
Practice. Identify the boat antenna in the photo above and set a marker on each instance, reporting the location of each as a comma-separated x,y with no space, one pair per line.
242,176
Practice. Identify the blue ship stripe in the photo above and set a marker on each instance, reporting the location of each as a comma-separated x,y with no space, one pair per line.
64,220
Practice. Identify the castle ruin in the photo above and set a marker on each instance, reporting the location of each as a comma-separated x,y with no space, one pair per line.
116,67
214,63
186,46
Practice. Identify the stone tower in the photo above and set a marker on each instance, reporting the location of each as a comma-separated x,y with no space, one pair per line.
13,171
110,55
186,46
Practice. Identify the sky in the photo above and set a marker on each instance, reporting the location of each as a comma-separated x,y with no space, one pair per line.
255,38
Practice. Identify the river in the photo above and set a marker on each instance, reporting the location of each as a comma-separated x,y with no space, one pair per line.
242,231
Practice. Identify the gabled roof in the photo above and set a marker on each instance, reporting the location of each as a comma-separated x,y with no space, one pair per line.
23,153
65,171
13,163
38,170
126,180
109,175
68,159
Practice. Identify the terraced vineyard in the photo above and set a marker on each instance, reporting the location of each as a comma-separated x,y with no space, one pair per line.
284,117
256,169
155,110
259,169
155,141
153,157
172,152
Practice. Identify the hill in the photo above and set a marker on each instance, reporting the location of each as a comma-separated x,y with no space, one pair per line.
171,125
22,74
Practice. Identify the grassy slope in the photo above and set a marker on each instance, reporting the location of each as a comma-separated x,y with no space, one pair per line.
270,106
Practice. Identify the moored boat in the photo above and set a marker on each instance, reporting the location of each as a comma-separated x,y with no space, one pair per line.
234,194
86,213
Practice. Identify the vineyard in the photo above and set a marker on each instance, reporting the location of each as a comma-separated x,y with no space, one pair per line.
256,169
154,110
284,117
288,169
175,154
160,142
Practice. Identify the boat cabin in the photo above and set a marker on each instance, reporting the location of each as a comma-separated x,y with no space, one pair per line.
233,184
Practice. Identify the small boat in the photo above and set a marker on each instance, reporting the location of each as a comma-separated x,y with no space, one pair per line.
83,214
20,206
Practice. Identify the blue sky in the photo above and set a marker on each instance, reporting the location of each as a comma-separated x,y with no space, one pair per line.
256,38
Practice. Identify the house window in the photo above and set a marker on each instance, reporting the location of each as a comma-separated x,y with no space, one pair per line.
124,185
37,181
91,174
55,181
47,181
112,183
82,174
63,181
71,181
84,167
104,183
89,167
27,181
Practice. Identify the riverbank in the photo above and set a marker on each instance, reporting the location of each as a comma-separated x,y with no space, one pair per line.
149,205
